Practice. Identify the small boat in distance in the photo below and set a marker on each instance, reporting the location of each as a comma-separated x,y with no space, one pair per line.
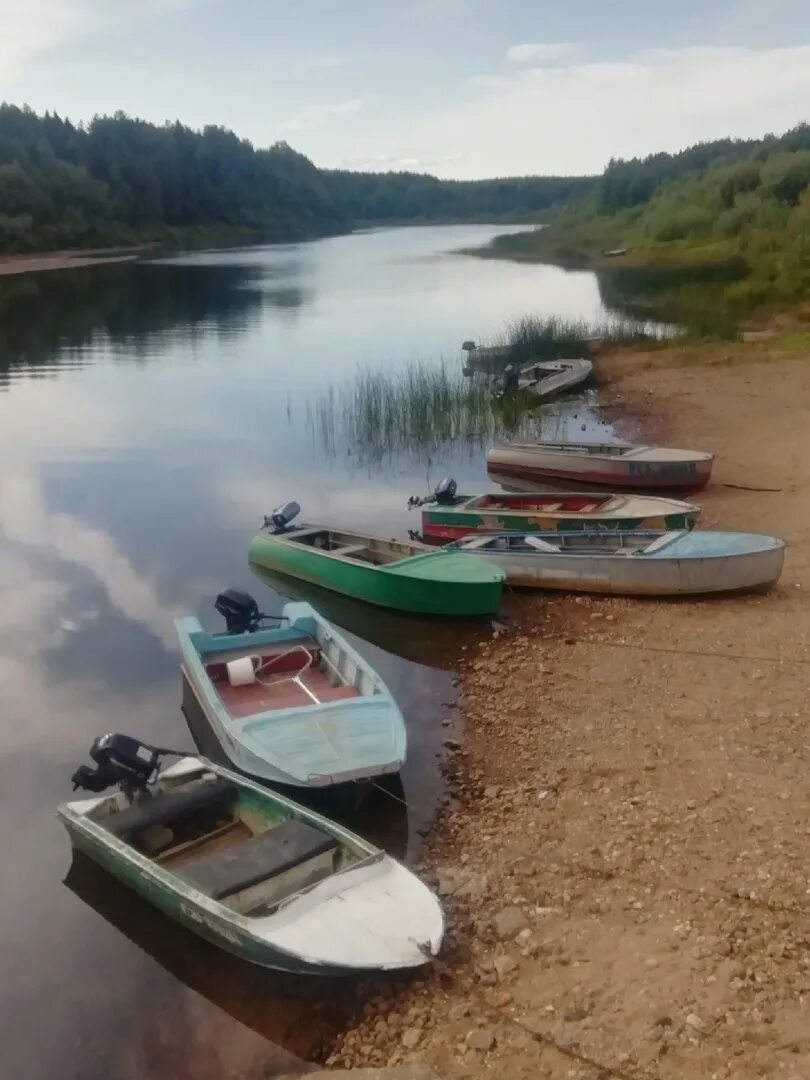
547,378
447,516
248,870
399,574
615,465
633,563
292,704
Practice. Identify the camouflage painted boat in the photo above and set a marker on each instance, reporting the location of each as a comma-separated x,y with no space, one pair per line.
451,517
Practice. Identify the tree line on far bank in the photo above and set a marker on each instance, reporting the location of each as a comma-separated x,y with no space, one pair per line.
734,202
119,180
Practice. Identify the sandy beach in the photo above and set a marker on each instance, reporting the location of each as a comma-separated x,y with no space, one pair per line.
64,260
624,863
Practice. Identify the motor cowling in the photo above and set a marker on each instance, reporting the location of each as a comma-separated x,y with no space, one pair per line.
281,517
445,490
443,494
239,610
119,759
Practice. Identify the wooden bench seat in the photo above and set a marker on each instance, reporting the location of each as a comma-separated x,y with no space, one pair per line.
349,549
268,855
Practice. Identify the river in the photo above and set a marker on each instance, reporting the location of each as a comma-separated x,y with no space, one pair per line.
150,414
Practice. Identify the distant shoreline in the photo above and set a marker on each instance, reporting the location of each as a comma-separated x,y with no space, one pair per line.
65,260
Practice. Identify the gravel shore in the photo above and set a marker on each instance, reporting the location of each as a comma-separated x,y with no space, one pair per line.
624,855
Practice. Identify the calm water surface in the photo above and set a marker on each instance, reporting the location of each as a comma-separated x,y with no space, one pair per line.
149,415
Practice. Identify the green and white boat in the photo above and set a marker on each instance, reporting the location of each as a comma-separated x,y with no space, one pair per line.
243,867
404,575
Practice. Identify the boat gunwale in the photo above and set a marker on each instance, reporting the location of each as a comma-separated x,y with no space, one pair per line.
426,553
779,543
625,451
618,499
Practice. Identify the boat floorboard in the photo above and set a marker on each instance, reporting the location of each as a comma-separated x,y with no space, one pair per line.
242,701
220,840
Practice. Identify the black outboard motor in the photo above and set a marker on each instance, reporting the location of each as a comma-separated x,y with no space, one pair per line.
239,610
443,494
445,491
281,517
122,760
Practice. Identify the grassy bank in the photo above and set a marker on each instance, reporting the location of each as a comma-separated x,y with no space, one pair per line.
720,229
706,287
552,338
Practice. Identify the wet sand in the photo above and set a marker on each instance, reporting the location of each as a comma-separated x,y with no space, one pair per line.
640,769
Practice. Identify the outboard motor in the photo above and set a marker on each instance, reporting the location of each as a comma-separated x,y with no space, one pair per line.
239,610
121,760
443,494
281,517
445,491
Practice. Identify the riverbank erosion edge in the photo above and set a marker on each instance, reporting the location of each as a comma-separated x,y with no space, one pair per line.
624,859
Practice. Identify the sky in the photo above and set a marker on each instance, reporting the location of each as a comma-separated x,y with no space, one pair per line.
458,88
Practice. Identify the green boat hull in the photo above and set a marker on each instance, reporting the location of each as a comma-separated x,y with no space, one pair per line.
432,584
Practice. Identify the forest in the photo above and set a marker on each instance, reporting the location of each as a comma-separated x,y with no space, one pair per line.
120,180
738,208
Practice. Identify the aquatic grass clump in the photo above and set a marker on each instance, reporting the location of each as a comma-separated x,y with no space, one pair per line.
417,406
552,338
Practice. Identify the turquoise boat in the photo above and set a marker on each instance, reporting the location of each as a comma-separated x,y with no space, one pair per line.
292,704
404,575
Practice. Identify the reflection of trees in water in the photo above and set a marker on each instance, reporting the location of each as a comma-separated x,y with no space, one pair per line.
692,296
142,306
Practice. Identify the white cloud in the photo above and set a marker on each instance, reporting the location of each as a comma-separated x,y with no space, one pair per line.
528,53
574,118
315,115
28,28
22,514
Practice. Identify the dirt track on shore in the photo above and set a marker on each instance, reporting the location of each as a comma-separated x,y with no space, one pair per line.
625,867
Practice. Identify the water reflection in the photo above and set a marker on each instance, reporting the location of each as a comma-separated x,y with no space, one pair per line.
296,1016
152,413
431,643
135,310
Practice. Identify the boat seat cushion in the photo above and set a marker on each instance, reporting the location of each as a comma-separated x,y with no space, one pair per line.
170,807
265,856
